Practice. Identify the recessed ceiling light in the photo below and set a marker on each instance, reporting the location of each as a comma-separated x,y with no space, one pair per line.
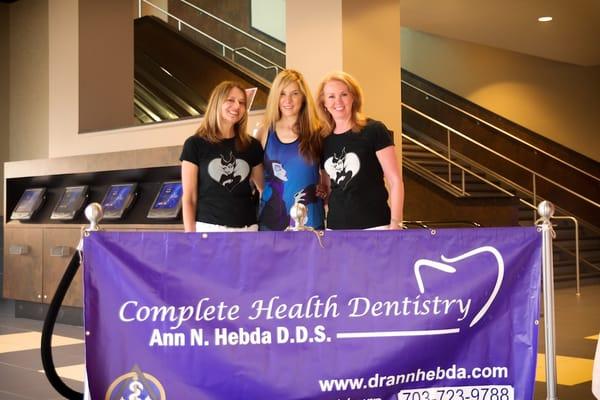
545,19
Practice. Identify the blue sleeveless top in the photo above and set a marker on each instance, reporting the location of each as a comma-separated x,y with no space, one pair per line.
288,176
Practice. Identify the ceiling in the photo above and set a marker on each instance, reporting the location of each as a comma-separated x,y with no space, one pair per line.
572,37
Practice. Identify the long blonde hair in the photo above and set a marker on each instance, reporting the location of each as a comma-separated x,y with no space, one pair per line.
308,125
359,120
210,127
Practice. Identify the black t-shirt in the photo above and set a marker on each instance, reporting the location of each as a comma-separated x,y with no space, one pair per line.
224,192
358,195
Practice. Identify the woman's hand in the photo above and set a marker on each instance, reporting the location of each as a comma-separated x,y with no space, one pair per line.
322,191
395,224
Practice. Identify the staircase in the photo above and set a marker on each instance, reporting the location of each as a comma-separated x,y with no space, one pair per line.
182,51
175,76
162,92
462,177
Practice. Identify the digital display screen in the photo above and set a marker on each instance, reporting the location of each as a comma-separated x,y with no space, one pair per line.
168,201
70,202
30,201
117,200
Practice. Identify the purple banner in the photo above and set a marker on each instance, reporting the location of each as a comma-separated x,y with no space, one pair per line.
404,315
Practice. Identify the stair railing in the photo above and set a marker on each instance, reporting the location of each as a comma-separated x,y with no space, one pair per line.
464,171
224,47
534,175
504,132
576,223
235,28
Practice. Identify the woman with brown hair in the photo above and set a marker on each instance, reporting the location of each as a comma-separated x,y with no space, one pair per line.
217,164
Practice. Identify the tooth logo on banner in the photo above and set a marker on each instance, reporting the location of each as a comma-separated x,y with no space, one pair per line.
442,266
136,385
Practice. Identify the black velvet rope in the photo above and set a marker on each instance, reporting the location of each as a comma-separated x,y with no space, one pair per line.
46,347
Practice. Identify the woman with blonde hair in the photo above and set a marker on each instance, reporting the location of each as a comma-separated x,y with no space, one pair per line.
358,153
290,135
217,164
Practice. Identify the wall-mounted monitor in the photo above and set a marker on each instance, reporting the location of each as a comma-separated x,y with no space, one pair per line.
167,203
70,203
118,199
29,203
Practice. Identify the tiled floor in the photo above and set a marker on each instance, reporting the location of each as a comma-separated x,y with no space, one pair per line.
22,378
577,327
21,372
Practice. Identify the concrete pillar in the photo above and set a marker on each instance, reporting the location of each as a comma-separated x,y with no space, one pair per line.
63,68
359,37
371,53
28,87
4,95
314,38
105,65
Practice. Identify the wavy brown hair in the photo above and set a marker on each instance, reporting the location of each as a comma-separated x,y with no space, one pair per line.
210,126
359,120
308,125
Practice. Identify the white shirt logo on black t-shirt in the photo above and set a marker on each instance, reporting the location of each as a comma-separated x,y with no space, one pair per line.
228,171
342,168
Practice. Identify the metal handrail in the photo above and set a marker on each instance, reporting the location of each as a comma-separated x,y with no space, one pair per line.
434,178
463,170
519,190
233,27
577,275
534,173
426,224
223,45
235,51
504,132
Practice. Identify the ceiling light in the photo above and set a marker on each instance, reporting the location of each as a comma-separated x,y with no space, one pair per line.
545,19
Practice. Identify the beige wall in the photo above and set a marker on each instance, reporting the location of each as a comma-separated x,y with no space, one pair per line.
28,71
557,100
4,93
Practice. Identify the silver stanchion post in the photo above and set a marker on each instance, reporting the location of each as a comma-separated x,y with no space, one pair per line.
299,213
546,211
93,213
